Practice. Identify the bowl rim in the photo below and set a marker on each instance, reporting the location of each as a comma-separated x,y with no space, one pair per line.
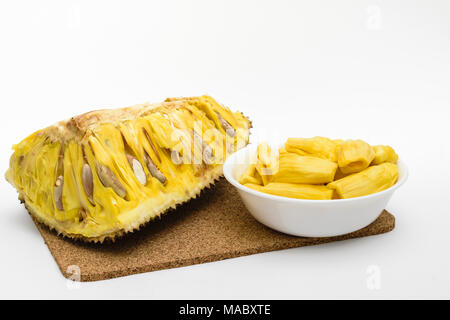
227,168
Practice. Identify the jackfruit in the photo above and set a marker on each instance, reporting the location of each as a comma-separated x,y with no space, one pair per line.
100,175
266,162
292,190
384,154
371,180
294,168
316,147
339,174
304,166
338,142
354,156
251,175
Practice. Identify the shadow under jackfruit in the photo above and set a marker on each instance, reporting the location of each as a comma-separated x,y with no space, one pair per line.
105,173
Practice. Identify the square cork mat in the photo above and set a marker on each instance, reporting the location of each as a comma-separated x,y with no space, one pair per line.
213,227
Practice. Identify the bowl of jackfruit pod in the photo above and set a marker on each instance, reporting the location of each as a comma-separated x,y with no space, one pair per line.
307,218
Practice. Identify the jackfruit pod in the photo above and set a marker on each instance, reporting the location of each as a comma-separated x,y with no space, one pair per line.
293,190
294,168
266,162
371,180
251,175
384,154
338,142
339,174
234,127
354,156
316,147
219,114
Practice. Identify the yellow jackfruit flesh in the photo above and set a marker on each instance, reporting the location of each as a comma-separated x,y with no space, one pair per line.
384,154
294,168
105,173
266,162
316,147
306,170
371,180
354,156
339,174
251,175
292,190
338,142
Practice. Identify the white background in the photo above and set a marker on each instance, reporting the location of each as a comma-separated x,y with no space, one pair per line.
376,70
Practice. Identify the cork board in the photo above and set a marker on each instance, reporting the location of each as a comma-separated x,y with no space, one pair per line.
213,227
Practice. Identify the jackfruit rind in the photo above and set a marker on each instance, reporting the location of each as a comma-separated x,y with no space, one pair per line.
105,173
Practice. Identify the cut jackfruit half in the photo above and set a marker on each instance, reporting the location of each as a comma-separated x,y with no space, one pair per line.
106,173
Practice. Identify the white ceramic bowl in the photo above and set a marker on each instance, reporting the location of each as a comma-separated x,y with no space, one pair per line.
308,218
